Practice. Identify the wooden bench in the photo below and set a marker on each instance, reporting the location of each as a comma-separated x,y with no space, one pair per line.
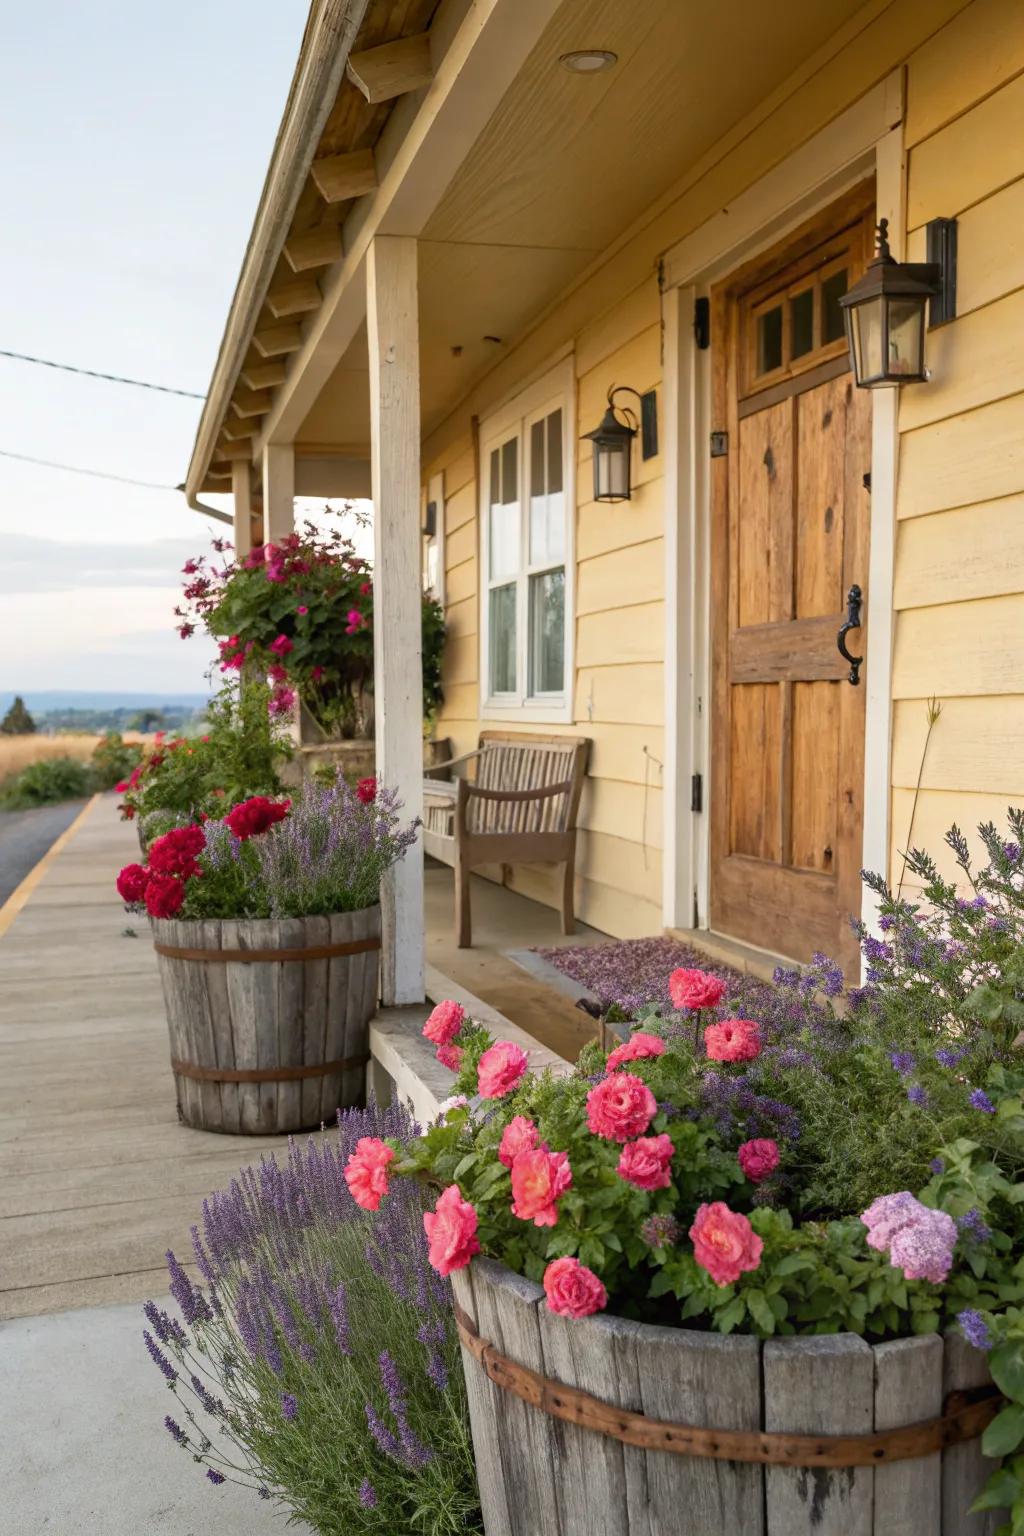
519,809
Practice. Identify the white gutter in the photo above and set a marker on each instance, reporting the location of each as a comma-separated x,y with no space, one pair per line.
330,32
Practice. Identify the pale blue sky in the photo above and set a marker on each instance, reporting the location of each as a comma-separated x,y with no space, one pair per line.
134,138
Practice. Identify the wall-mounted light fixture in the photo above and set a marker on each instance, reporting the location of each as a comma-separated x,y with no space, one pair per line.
885,309
613,443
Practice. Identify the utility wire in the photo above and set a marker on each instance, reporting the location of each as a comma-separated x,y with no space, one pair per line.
94,474
111,378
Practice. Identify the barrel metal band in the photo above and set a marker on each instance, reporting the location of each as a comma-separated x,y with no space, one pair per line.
965,1416
266,1074
257,956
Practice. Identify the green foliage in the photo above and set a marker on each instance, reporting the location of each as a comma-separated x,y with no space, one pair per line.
48,781
17,721
113,759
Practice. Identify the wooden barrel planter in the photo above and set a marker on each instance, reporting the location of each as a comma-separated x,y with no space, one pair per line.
269,1018
789,1437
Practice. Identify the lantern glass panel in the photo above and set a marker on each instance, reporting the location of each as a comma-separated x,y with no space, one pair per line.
867,323
906,338
611,471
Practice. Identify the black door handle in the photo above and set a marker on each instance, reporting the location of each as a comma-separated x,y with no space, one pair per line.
854,599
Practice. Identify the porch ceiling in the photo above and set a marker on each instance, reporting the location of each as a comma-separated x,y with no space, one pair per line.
567,163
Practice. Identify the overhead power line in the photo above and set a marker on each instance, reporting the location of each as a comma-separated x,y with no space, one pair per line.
92,373
94,474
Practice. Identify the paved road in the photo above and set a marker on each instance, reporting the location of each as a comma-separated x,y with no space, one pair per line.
25,837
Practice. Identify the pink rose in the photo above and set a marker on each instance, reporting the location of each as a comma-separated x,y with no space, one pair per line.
366,1172
647,1162
758,1158
499,1070
539,1177
520,1135
733,1040
724,1242
695,989
450,1056
620,1107
451,1232
572,1289
444,1021
635,1049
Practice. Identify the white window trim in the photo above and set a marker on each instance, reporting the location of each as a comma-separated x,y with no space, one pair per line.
557,387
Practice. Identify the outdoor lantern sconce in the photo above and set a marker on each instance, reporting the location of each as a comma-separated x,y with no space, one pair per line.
613,443
884,311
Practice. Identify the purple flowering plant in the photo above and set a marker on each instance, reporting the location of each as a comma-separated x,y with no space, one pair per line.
316,1361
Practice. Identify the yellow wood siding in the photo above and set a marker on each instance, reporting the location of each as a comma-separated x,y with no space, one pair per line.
959,577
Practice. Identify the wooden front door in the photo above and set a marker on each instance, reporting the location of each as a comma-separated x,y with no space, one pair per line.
790,522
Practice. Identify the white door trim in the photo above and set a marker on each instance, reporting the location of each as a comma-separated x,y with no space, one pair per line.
866,139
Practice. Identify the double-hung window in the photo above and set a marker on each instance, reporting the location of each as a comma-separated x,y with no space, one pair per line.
526,453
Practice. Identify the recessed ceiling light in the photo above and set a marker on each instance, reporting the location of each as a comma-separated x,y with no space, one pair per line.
588,61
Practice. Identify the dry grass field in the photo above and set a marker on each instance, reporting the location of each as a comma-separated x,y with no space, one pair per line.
18,752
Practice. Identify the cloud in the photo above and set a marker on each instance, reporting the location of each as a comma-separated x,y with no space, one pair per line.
49,565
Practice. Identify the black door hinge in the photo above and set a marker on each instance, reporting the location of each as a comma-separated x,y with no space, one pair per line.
719,444
702,323
697,792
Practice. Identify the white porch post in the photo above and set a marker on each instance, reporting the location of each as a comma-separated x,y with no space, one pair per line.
241,487
278,491
393,325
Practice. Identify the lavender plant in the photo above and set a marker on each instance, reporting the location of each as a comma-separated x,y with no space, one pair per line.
317,1363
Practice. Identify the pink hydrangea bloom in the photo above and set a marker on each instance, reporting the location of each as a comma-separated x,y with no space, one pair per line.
695,989
572,1289
733,1040
620,1107
724,1242
499,1069
520,1135
451,1232
539,1178
647,1162
635,1049
445,1020
758,1158
450,1056
918,1240
366,1172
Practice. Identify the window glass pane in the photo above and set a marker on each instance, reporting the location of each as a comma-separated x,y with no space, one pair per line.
495,477
832,290
554,452
538,496
556,499
502,639
801,323
769,340
504,529
547,502
547,632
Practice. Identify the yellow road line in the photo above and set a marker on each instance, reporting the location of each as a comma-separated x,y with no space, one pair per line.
18,897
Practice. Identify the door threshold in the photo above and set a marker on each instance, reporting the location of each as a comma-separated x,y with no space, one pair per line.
749,958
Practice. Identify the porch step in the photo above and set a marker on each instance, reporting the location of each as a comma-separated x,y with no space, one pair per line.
748,958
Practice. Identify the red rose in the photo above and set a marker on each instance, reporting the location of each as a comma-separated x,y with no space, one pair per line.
695,989
177,851
254,816
132,882
164,895
366,789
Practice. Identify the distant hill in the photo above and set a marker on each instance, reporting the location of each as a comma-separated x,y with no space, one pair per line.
45,701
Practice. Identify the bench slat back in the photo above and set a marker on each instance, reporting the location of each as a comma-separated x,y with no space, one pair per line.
528,762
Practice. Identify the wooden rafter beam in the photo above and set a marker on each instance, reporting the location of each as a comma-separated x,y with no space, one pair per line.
264,375
249,402
392,69
232,451
316,248
278,340
237,431
297,298
338,177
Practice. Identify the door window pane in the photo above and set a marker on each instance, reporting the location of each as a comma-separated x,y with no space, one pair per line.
832,290
769,340
502,639
801,323
547,632
504,510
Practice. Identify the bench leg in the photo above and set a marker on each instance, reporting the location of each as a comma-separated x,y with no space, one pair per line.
568,894
463,917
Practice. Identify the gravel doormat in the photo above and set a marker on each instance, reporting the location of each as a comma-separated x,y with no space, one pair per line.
633,972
